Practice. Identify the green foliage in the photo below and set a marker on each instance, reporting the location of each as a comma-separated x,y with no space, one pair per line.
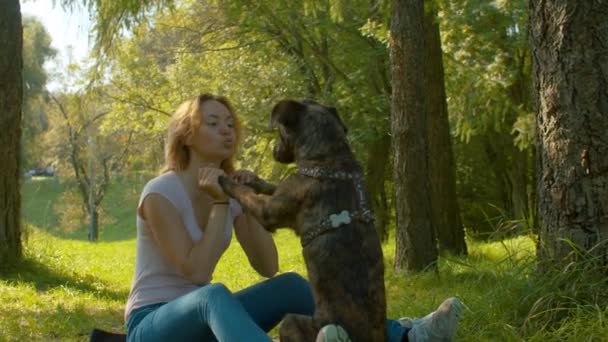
338,63
576,290
36,51
253,53
193,50
477,191
488,83
74,132
524,130
375,30
114,18
487,64
87,156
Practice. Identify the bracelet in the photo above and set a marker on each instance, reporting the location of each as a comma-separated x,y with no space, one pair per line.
221,202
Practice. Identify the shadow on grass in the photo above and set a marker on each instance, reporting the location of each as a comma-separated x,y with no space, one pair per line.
44,278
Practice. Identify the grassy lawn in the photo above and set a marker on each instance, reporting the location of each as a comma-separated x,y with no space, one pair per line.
66,285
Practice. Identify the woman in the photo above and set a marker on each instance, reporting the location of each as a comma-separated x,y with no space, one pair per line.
184,224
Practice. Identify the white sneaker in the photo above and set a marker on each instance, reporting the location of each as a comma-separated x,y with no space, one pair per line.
438,326
332,333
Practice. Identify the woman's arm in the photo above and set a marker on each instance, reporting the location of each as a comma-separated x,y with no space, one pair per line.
256,241
258,245
196,261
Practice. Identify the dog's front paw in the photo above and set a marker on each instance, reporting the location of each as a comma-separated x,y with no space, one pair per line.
227,185
261,187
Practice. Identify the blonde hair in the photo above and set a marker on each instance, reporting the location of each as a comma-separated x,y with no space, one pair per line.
184,122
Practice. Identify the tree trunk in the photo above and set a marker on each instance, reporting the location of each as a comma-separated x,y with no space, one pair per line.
519,180
93,234
377,164
570,67
415,245
442,173
11,97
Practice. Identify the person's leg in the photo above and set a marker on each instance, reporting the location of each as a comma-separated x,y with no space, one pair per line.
269,301
206,314
439,325
395,331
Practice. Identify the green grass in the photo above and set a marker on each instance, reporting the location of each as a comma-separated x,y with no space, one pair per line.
65,285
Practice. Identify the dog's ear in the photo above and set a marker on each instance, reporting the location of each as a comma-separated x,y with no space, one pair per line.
334,112
287,113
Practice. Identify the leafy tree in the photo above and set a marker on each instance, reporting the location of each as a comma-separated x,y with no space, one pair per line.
36,51
11,96
321,37
416,249
445,208
569,40
200,52
112,18
488,86
87,152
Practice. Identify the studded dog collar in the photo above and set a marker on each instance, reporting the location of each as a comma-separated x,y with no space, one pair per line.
337,220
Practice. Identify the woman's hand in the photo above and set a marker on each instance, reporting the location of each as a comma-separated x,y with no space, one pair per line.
207,181
244,176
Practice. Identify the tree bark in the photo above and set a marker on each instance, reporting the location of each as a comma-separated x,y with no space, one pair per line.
569,41
93,234
442,173
11,97
377,165
415,245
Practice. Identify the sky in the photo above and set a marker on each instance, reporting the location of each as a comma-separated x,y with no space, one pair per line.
66,29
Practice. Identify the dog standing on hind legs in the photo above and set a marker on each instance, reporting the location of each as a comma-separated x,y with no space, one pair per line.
325,203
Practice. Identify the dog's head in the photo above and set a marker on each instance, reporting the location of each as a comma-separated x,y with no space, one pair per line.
307,131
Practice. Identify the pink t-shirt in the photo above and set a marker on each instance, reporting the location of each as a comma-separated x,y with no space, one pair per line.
156,280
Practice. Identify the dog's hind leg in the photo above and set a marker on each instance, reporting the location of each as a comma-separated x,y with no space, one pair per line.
298,328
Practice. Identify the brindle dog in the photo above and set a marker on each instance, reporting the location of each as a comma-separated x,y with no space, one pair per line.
325,203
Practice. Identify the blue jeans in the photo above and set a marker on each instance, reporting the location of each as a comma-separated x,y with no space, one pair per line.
213,313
